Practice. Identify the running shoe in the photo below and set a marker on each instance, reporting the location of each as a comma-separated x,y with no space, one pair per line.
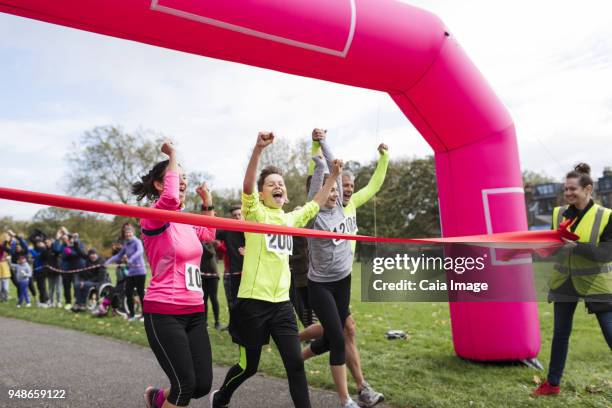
546,389
149,397
28,305
214,402
350,404
368,397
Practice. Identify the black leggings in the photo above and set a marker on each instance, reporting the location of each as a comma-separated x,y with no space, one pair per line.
301,304
330,302
289,350
182,348
131,282
210,286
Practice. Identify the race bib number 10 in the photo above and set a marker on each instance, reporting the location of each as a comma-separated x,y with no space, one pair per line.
279,244
193,279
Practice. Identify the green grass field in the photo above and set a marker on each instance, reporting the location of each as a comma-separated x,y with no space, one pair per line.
422,371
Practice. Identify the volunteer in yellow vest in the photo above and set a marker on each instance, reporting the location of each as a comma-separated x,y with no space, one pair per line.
583,271
263,308
368,396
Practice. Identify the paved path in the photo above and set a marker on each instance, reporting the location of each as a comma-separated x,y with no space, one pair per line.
101,372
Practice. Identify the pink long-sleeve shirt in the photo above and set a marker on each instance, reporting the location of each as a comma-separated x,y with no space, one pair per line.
174,252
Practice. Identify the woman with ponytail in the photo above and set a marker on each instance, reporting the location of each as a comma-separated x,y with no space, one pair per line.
173,305
583,270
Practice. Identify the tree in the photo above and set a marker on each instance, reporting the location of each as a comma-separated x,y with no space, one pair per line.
95,230
108,160
531,178
406,205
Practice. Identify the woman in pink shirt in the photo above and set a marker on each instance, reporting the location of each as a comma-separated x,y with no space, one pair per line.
173,305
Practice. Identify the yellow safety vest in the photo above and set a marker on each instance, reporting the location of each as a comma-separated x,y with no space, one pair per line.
588,277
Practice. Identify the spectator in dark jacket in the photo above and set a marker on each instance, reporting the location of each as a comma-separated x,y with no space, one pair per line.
91,277
39,273
49,259
72,258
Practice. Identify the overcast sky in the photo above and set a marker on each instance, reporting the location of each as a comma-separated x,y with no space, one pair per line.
549,61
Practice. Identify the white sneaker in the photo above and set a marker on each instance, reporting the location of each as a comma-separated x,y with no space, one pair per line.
368,397
68,306
59,304
350,404
28,305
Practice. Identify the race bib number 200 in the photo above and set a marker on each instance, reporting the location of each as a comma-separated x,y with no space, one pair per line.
279,244
193,279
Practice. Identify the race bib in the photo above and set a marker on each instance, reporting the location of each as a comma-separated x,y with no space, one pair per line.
193,279
279,244
347,226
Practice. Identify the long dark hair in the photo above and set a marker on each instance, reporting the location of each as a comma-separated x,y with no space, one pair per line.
144,187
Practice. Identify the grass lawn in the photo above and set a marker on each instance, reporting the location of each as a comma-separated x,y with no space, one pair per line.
422,371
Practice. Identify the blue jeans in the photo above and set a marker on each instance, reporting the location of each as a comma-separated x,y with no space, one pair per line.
82,292
22,290
564,316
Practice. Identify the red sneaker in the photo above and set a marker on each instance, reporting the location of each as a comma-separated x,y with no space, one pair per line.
546,389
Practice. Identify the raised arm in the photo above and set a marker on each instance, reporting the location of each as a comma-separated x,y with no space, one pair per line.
315,148
169,199
263,139
319,136
317,177
365,194
321,197
205,194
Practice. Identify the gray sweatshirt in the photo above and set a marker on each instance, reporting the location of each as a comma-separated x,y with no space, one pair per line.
22,271
330,260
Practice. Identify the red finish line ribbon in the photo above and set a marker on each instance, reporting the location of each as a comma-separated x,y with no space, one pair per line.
512,239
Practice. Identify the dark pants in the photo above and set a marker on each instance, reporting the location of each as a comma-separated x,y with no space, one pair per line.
67,279
41,284
301,303
210,287
134,282
182,348
32,288
289,350
83,291
564,316
252,323
231,284
330,301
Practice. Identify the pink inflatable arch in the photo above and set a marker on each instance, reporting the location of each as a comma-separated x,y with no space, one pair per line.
378,44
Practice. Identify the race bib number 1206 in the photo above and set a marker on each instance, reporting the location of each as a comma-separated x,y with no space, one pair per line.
193,279
279,244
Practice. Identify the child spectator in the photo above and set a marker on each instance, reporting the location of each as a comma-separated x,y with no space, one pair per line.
23,273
